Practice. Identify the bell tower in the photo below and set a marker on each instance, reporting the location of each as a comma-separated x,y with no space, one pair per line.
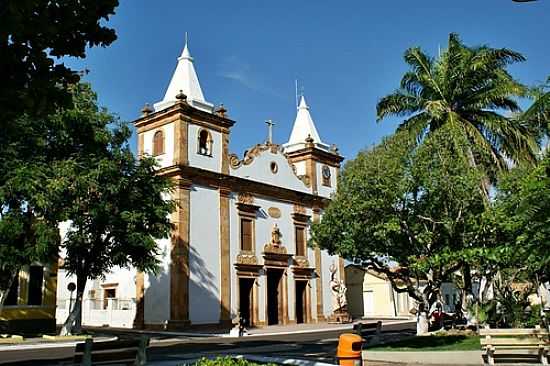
185,134
315,161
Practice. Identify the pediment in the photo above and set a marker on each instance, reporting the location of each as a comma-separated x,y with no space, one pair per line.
268,164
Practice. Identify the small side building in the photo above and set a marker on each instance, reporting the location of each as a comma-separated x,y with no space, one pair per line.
370,295
30,305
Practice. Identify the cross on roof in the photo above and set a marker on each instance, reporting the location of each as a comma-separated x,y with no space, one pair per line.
270,125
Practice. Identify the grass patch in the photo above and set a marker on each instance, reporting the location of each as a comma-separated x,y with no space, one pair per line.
432,343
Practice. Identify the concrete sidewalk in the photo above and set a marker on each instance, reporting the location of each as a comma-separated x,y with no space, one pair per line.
426,358
313,328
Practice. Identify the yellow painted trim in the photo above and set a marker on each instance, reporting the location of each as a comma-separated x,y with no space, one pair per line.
27,312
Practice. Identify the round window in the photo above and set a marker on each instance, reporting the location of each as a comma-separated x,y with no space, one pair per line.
274,167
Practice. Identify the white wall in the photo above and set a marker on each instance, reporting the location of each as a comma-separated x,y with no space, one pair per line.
260,171
157,288
166,159
204,256
324,190
212,163
93,313
300,168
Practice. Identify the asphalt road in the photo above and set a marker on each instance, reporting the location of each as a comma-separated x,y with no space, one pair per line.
318,346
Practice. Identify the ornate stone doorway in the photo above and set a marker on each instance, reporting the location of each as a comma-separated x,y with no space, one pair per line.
247,301
301,301
275,296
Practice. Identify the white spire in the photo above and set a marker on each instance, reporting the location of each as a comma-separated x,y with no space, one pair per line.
303,126
185,79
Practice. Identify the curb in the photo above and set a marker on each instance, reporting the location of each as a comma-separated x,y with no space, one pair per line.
46,345
449,358
316,330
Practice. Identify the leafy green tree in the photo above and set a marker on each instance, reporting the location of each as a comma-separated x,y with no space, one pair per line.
28,196
521,211
28,223
115,204
407,212
34,35
469,91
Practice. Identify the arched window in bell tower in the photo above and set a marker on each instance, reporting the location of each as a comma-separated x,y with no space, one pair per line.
205,143
158,143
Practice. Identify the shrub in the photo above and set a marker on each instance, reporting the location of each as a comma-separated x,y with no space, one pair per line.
227,361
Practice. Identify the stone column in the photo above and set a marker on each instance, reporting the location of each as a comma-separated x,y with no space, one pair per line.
225,260
179,257
319,272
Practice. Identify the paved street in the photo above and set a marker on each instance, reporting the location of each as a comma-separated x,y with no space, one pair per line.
168,349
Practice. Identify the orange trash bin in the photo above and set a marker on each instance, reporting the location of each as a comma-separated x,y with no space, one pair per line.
349,349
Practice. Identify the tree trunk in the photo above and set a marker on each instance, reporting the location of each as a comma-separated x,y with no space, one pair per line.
467,293
422,321
73,324
5,290
422,325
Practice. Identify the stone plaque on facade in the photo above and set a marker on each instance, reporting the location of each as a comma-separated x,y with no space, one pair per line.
274,212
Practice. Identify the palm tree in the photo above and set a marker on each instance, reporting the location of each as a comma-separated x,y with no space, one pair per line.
538,114
469,91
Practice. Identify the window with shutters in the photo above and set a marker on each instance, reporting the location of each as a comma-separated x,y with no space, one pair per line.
158,143
300,233
246,235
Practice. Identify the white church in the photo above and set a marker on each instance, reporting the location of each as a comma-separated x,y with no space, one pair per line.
239,243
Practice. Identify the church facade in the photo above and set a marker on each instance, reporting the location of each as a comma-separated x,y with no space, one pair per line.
239,245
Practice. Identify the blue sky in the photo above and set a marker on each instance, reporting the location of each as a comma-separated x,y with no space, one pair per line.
346,55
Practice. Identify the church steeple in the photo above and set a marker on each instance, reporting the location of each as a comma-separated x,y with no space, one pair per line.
185,79
304,128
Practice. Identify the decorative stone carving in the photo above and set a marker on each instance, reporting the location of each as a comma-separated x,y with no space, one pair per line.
275,245
339,303
299,209
274,212
301,262
234,161
305,179
338,288
246,257
246,198
250,155
221,111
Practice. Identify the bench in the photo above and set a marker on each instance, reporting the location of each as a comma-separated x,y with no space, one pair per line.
119,352
534,341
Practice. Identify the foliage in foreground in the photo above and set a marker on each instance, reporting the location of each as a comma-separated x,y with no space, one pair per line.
228,361
34,36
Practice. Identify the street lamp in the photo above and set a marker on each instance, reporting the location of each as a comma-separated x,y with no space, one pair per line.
71,287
